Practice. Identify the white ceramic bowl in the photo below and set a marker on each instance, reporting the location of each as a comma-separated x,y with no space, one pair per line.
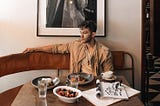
67,99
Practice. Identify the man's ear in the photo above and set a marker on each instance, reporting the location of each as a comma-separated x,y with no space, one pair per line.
93,34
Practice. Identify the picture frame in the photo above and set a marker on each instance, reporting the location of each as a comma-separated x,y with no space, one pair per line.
44,31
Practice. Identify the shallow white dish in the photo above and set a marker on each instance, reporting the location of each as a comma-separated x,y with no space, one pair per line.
67,99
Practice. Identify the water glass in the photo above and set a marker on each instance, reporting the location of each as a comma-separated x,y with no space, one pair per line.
41,102
42,88
74,80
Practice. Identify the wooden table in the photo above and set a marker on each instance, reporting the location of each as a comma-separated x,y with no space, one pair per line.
8,97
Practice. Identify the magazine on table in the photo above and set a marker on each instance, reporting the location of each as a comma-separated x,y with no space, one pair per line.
113,90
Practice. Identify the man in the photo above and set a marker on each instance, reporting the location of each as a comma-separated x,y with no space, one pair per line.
86,54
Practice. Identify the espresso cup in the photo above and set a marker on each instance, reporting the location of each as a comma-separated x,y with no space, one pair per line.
107,75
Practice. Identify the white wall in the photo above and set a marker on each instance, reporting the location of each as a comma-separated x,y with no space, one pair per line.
124,30
18,28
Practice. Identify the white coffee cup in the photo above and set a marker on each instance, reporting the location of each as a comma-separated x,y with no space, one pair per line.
107,75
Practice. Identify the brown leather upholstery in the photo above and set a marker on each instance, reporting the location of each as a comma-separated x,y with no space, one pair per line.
31,61
118,55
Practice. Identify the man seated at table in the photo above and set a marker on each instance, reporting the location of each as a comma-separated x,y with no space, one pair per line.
86,54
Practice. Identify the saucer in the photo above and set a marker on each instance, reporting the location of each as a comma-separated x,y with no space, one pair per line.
110,79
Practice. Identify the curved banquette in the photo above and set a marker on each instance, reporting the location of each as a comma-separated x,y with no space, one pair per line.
32,61
40,60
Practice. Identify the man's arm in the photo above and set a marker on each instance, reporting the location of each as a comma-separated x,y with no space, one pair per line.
108,63
47,49
55,48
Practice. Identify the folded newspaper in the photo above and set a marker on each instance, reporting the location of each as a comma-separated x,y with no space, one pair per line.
113,90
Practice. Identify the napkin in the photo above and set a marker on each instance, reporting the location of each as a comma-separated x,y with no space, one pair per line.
90,95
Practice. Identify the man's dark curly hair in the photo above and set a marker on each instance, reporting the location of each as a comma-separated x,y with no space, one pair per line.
91,25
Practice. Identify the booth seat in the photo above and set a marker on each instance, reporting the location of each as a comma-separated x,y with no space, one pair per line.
16,69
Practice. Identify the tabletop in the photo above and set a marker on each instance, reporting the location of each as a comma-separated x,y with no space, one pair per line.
28,95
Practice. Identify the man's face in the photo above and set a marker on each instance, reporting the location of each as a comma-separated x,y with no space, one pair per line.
86,35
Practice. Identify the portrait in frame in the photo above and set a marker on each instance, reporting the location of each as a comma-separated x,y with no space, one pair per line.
60,18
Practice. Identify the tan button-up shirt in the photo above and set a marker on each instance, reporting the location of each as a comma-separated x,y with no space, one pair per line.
102,61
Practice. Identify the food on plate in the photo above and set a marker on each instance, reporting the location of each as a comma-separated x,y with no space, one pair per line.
50,84
48,81
81,79
66,92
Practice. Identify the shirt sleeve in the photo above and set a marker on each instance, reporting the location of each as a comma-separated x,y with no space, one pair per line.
108,64
61,48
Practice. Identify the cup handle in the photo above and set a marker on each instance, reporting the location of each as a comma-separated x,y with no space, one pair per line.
102,74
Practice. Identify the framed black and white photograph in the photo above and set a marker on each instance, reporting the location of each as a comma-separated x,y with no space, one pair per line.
60,18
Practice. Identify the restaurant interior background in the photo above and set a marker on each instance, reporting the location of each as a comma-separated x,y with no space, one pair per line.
18,25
